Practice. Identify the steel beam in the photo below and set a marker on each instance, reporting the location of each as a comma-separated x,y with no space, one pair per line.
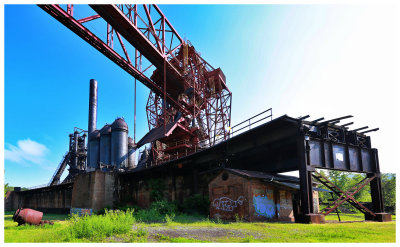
74,25
117,19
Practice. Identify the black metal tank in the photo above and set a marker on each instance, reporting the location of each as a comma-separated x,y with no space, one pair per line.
105,145
119,144
94,146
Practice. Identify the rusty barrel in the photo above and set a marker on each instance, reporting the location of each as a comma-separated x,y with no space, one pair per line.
27,215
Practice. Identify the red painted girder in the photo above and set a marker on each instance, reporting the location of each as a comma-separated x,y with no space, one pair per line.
89,18
117,19
59,14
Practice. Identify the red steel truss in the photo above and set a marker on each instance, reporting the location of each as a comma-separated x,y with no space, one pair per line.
184,89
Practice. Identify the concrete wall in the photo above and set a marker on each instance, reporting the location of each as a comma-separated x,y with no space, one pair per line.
95,190
54,199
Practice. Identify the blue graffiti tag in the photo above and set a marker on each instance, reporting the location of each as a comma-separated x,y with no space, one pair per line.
264,206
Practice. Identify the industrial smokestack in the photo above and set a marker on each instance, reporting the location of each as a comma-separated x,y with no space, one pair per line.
92,106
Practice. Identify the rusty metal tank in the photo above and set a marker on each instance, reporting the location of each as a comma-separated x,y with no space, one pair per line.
94,146
105,145
27,215
119,144
131,153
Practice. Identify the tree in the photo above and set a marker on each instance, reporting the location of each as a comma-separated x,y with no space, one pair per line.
345,181
7,188
389,191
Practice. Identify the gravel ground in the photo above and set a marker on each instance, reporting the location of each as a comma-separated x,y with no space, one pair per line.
203,234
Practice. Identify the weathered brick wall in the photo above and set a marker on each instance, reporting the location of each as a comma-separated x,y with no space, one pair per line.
177,184
251,199
229,197
270,203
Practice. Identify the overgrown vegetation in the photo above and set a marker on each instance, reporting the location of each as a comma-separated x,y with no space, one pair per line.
187,228
157,187
99,226
133,224
196,204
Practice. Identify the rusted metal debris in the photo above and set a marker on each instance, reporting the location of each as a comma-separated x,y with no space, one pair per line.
29,216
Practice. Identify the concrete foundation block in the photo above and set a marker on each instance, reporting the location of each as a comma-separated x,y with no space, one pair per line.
380,217
311,218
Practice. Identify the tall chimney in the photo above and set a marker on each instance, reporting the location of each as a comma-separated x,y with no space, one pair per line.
92,106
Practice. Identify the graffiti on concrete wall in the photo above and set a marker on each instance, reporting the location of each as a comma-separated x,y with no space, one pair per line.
81,211
227,204
264,204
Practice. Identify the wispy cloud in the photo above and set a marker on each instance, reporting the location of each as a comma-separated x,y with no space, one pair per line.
27,152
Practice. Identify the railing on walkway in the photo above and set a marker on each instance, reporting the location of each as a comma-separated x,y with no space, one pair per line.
252,122
37,186
239,128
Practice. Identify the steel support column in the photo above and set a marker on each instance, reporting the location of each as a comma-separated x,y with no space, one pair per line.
376,186
305,173
376,193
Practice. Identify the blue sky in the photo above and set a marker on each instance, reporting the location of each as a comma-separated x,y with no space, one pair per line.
321,60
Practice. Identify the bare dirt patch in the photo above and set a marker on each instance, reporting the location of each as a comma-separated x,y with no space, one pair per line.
203,234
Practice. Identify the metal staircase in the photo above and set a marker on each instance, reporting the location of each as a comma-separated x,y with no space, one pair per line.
344,196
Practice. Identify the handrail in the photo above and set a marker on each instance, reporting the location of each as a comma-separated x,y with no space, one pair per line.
249,121
203,144
38,186
270,109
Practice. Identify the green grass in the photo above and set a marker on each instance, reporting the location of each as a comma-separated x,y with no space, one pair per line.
166,239
115,227
348,217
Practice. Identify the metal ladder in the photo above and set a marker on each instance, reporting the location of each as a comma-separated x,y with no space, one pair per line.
344,196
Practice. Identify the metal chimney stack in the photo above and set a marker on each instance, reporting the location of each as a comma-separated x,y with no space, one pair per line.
92,106
92,118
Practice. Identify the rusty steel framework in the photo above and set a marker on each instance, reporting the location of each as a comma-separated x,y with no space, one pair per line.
186,92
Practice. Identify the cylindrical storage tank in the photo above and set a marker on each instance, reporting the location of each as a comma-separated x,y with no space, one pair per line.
119,144
94,146
131,153
105,145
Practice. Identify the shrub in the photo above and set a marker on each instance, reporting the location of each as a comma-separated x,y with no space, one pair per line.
157,212
169,218
157,187
164,207
149,215
195,204
100,226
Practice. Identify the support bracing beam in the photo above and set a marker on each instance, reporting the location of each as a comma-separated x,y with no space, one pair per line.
345,196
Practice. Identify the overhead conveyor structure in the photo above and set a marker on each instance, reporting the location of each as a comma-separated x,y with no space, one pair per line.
183,85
